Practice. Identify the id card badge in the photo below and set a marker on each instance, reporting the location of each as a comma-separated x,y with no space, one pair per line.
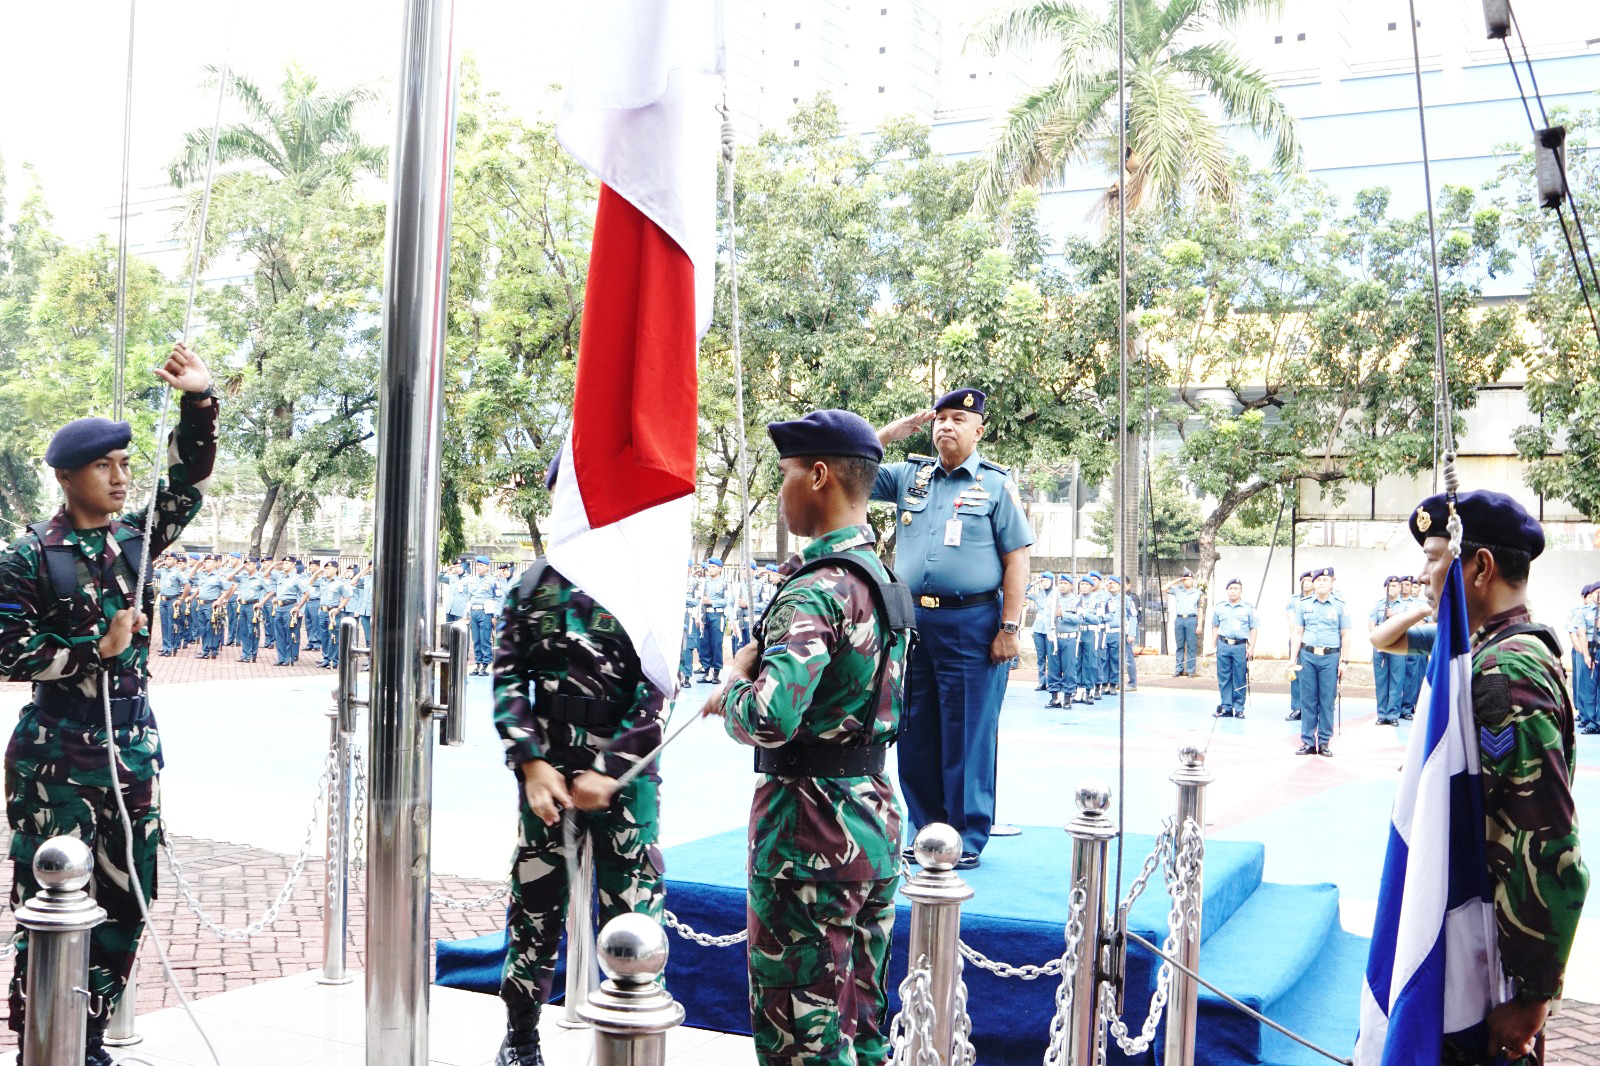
952,533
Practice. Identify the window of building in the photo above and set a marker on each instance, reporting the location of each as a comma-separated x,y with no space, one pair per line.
881,49
797,62
880,88
1299,36
1277,39
1391,27
797,25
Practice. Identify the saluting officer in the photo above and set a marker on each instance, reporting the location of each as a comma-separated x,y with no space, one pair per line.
331,600
248,592
713,602
963,549
1185,623
818,696
171,584
69,625
1319,644
1527,755
1069,626
1233,628
484,597
691,626
575,713
1584,631
1296,701
1412,595
1123,631
1388,669
1042,597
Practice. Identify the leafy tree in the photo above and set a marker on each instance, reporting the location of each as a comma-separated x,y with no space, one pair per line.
1563,388
1302,343
1174,145
26,247
522,222
1175,513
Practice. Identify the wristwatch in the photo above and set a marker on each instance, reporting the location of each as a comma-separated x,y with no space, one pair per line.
208,393
1008,627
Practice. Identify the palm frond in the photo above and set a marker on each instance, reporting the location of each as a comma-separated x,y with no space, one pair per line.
1025,24
1017,156
1245,96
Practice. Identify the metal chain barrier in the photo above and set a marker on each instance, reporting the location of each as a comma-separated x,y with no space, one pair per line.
917,1017
358,814
9,948
963,1053
330,775
706,940
481,903
1181,872
1056,1050
1027,971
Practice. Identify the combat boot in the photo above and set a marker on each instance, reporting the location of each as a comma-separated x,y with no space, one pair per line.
94,1050
521,1045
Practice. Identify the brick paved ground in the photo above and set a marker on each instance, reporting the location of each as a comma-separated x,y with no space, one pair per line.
235,884
185,666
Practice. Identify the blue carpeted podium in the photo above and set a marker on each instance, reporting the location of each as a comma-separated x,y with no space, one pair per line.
1278,948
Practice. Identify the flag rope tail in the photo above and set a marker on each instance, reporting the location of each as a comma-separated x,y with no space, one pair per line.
1121,493
745,553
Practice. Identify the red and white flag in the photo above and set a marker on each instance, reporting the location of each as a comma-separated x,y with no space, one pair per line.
640,114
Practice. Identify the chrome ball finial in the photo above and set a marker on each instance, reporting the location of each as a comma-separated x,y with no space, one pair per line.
938,847
1093,797
632,949
63,864
1191,755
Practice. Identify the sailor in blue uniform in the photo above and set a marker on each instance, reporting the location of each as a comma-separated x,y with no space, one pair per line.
1295,702
1185,624
232,569
1091,636
1319,643
1121,632
249,588
1411,596
209,588
962,547
1068,623
1042,595
171,584
1584,633
1233,627
1388,669
713,604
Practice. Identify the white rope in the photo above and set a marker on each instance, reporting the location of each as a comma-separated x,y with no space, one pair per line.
120,358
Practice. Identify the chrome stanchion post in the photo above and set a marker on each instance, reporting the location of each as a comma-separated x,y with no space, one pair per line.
120,1030
580,919
1191,777
631,1012
1091,831
58,920
936,895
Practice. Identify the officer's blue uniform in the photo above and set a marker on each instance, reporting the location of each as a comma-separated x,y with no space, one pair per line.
1122,631
286,594
361,605
1388,669
333,590
1325,622
1043,629
1185,627
1416,668
1233,623
208,588
248,591
170,584
483,602
714,589
1069,624
1584,630
953,691
316,623
691,627
1091,605
457,598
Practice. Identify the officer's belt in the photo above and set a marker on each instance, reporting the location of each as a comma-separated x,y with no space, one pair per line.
822,760
1186,616
1234,640
957,601
1318,649
584,711
69,706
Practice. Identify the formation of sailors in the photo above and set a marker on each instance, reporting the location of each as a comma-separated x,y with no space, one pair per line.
1080,627
717,611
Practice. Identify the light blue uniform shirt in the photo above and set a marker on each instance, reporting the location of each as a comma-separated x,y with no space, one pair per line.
1185,601
1234,620
716,590
1042,604
1069,614
1130,613
361,596
1380,610
332,591
978,495
457,600
483,593
289,589
209,586
1324,621
171,582
250,588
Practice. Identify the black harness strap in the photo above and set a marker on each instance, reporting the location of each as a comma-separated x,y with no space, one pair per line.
1543,632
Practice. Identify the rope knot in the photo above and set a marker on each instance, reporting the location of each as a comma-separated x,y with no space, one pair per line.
727,141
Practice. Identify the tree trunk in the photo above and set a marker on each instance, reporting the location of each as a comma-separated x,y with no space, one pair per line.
262,514
282,523
781,527
533,535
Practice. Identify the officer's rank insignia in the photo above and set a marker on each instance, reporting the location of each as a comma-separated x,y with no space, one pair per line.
1423,521
905,519
966,401
1496,744
1016,497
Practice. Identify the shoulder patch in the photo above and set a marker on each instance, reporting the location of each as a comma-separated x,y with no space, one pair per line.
1491,699
778,622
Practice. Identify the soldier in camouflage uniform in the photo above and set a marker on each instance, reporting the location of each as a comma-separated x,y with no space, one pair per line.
68,641
1527,754
817,693
575,713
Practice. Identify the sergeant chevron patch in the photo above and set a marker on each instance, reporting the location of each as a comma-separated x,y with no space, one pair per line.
1496,743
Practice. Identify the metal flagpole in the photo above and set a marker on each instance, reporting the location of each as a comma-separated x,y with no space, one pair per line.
406,541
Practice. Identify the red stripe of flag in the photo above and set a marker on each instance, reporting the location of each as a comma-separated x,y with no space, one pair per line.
634,415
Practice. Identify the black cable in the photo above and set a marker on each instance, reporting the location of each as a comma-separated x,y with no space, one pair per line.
1282,503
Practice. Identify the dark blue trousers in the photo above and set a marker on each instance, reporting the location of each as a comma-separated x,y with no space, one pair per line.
1583,691
286,635
210,638
1416,669
1041,649
366,629
1319,688
1231,671
1184,631
330,647
1089,651
1063,664
482,638
711,640
691,641
169,630
248,632
949,732
1389,678
233,621
1115,646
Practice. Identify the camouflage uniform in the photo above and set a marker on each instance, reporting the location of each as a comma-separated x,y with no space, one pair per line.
58,781
824,851
1527,752
557,640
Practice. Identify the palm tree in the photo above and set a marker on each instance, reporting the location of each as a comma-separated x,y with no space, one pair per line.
306,137
1172,143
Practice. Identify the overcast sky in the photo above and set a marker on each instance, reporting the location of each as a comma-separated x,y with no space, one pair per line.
63,69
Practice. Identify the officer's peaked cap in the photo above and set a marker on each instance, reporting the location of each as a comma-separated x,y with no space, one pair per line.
829,432
1492,519
962,400
83,440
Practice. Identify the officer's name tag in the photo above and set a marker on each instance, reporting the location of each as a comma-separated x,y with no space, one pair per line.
952,533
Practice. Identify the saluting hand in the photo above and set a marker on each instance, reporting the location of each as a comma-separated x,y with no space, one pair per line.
184,370
901,428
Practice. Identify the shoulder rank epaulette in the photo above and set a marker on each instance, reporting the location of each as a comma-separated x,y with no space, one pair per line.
1006,470
915,458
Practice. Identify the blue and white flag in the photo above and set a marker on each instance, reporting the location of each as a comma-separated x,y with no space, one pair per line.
1434,968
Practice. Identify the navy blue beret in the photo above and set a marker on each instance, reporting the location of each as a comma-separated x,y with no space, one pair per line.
1308,573
831,432
1232,581
965,399
1590,587
82,441
1492,519
481,559
551,471
1391,579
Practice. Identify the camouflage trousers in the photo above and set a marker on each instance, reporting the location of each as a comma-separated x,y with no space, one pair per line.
819,964
38,809
627,877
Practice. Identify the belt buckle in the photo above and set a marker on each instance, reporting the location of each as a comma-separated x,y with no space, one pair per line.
928,601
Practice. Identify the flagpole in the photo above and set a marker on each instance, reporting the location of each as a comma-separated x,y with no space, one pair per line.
746,553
